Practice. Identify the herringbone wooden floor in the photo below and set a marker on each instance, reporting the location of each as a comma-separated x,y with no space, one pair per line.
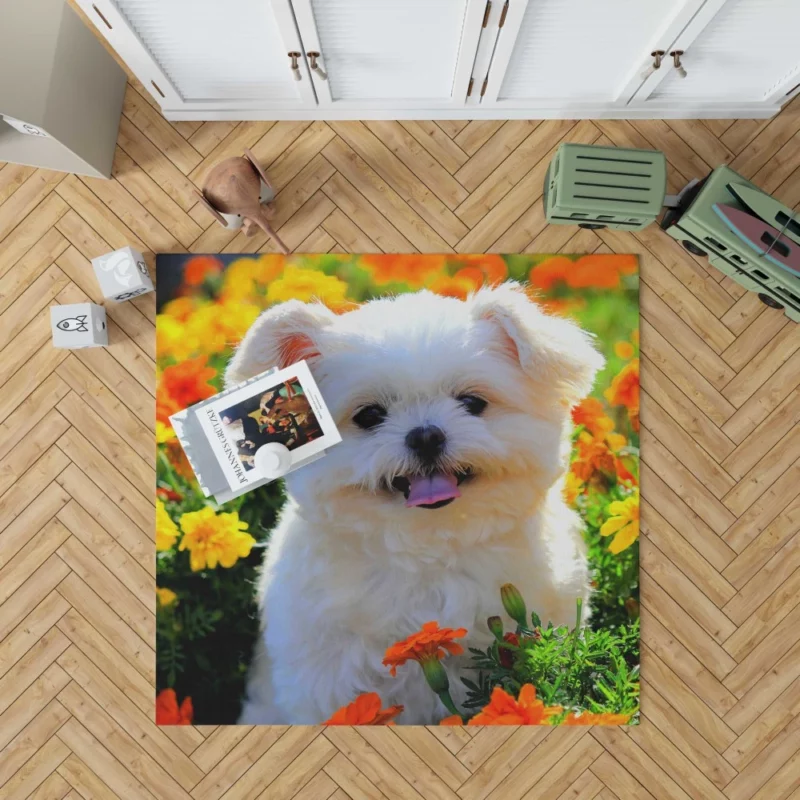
721,452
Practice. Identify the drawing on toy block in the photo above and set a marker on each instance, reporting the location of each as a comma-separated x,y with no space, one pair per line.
122,274
79,325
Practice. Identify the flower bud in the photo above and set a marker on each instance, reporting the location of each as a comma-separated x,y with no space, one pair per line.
506,655
514,604
496,627
435,675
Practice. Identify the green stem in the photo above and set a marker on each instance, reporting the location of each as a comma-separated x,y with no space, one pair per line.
444,696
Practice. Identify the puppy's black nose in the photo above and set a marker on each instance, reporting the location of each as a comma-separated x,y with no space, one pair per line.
427,442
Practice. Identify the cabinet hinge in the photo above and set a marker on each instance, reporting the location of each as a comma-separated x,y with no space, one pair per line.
469,88
503,15
486,13
485,84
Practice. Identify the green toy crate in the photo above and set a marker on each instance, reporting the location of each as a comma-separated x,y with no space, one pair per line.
696,225
605,187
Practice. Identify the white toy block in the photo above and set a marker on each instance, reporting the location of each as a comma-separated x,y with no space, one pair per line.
122,274
78,325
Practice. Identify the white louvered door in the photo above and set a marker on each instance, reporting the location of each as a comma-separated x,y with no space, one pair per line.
578,53
390,53
742,50
208,54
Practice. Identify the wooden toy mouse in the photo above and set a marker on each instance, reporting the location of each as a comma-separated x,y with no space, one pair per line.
234,195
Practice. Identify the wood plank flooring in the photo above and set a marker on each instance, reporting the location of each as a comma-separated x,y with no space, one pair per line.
721,483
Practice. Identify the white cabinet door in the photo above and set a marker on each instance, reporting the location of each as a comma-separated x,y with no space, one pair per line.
744,51
577,54
390,54
208,54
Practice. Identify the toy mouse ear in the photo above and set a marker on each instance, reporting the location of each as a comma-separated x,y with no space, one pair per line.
551,350
211,210
257,167
282,335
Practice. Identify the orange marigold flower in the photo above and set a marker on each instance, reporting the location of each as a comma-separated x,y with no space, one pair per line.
166,494
492,267
187,382
166,406
365,710
503,709
624,389
624,350
593,456
554,270
180,463
600,272
199,268
412,269
432,642
461,285
168,712
591,414
587,718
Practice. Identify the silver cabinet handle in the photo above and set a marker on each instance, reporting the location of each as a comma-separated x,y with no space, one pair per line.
676,60
657,56
295,67
312,57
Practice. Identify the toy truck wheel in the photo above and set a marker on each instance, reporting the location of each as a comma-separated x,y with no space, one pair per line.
769,301
693,248
592,226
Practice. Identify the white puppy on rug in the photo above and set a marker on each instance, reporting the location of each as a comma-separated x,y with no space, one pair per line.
455,417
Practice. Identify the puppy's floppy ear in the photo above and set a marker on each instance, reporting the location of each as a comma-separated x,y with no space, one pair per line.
550,349
281,336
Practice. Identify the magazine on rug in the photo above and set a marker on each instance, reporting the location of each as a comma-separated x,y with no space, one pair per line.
222,436
467,553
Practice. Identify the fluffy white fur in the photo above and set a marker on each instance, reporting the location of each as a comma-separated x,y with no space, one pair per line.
349,569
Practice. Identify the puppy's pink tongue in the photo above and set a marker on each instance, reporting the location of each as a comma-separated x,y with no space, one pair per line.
432,489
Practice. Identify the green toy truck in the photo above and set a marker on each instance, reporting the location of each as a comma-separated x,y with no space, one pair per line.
612,187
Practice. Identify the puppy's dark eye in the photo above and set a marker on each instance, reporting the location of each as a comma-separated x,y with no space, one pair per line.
370,416
472,404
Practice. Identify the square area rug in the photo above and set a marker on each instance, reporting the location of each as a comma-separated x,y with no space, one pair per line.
468,554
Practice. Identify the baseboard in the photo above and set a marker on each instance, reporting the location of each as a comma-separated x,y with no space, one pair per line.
685,111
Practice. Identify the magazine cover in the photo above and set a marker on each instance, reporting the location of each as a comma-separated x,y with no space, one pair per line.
284,408
468,554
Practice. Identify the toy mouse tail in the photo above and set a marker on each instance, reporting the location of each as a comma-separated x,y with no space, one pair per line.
263,223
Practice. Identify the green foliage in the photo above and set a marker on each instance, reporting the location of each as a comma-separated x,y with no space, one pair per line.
577,668
204,640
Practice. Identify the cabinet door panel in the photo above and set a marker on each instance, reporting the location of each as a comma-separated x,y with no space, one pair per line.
573,52
749,51
392,53
207,53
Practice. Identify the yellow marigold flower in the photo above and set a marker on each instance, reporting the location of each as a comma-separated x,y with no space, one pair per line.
412,269
179,308
623,523
573,488
307,285
218,326
166,597
164,432
166,530
174,339
624,350
213,538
